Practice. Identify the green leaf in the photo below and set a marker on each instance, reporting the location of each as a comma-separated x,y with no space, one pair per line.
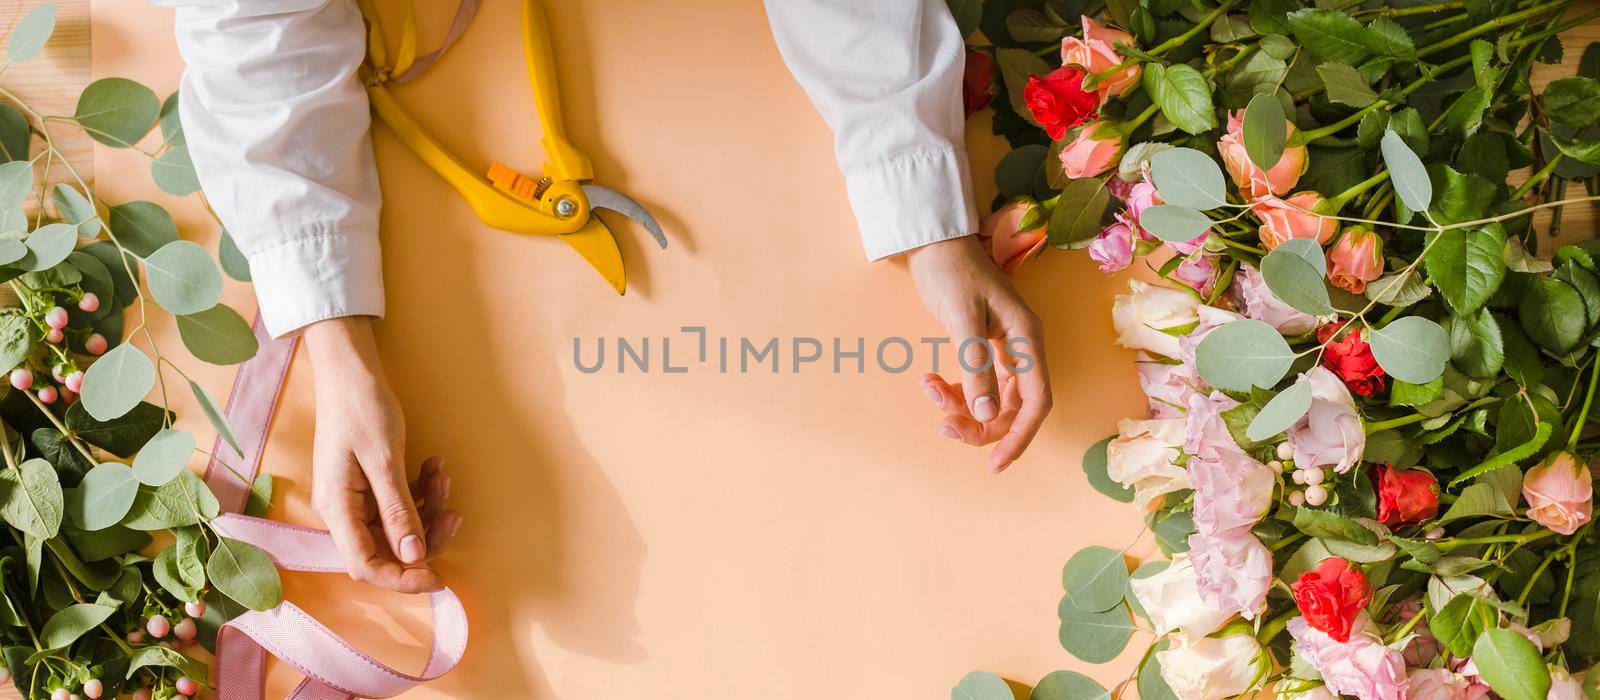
16,183
16,340
1573,101
147,656
1331,35
1518,259
48,246
1173,223
214,414
1467,265
103,497
245,573
66,626
1188,178
1068,685
1410,178
163,457
238,266
1345,85
1076,219
1151,685
183,279
1411,349
1511,665
218,335
15,134
1283,411
1476,347
1294,273
116,111
1095,637
1183,94
1016,66
1386,37
1408,394
70,464
1096,578
182,501
1328,525
171,126
180,568
122,436
1019,169
119,266
981,685
1553,314
260,496
967,13
117,382
174,174
1094,468
1242,354
31,498
142,227
31,33
1459,623
1505,459
1266,129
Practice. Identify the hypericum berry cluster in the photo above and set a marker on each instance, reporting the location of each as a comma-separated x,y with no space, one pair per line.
55,324
1312,478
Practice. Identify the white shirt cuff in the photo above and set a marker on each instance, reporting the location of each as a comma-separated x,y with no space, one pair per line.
316,278
912,201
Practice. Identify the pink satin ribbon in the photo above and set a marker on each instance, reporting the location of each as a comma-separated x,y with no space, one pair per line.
334,669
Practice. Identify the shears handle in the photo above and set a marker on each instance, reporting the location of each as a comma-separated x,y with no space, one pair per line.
564,162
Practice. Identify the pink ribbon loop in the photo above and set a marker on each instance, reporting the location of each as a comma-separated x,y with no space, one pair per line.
334,668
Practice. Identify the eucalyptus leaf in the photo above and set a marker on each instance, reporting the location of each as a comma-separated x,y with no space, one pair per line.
214,414
117,382
31,33
103,498
48,246
218,335
67,625
234,263
1173,223
1241,354
163,457
1265,131
1188,178
1283,411
142,227
1095,637
981,685
173,172
1410,178
245,573
1292,274
1411,348
116,111
1068,685
31,499
183,279
1096,579
1095,465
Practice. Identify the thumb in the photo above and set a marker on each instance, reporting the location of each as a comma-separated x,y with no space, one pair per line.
402,526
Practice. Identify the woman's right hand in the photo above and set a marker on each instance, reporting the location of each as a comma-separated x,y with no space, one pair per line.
386,528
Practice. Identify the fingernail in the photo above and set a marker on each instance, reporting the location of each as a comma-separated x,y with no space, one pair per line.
1001,466
455,524
950,433
933,394
983,408
410,549
446,487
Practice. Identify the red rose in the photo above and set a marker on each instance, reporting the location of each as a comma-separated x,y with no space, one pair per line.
977,83
1331,596
1059,102
1350,357
1405,496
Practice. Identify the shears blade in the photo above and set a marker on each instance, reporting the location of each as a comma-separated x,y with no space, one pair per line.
607,198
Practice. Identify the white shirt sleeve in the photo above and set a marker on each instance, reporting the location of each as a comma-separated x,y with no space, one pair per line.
886,76
277,125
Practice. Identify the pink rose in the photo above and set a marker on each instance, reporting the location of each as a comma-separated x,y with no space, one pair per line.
1141,196
1210,318
1442,684
1363,667
1113,248
1231,492
1095,148
1292,217
1096,52
1564,687
1001,235
1204,432
1233,571
1251,180
1355,260
1167,384
1198,272
1560,493
1259,303
1330,434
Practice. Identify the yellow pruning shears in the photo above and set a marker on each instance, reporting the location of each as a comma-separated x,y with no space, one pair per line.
560,203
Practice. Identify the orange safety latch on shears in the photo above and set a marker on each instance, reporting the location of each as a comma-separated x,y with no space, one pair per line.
561,202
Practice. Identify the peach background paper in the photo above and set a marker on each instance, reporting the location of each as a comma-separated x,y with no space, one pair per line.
690,535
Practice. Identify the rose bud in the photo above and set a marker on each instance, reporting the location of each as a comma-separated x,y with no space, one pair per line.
1001,235
1283,219
977,82
1252,181
1350,358
1095,149
1331,595
1096,52
1560,493
1355,259
1058,101
1405,496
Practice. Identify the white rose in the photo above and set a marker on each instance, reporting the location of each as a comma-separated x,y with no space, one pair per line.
1143,457
1143,316
1211,668
1172,601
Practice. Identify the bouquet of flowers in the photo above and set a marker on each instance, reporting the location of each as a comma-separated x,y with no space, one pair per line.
109,570
1371,368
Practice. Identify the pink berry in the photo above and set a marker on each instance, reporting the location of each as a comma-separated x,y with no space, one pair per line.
47,395
60,694
94,688
185,629
69,397
55,336
136,637
195,609
59,372
56,318
74,382
96,344
158,626
187,686
21,379
141,694
90,302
